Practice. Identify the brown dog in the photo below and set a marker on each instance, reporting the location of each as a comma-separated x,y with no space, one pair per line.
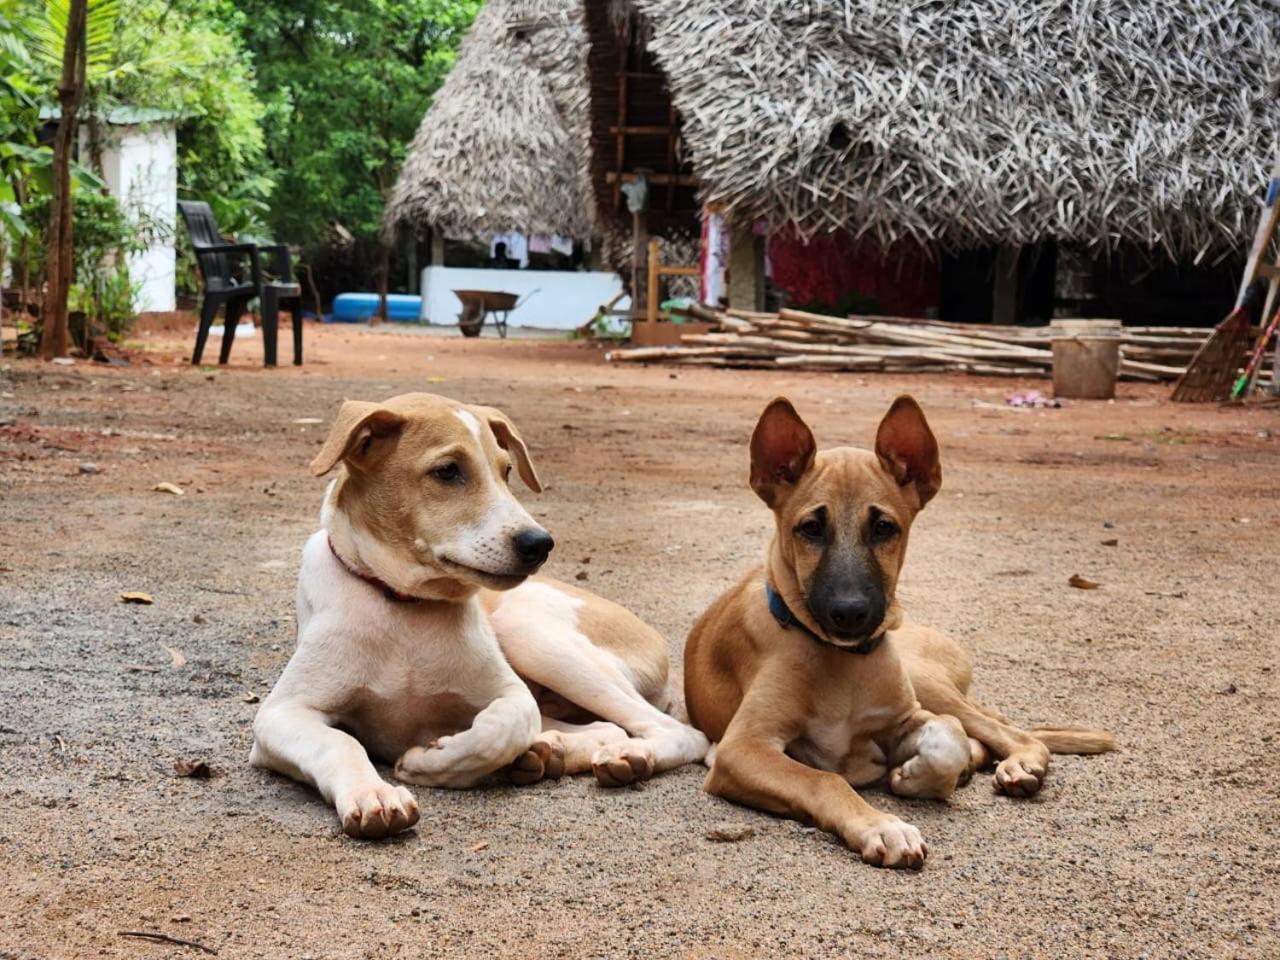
805,674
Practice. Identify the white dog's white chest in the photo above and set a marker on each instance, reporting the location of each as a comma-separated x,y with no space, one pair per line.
412,716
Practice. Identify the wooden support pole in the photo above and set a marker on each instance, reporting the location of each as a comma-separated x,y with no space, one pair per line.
651,298
746,269
639,247
437,247
1004,288
411,258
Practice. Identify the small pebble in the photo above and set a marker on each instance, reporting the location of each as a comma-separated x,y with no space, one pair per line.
90,468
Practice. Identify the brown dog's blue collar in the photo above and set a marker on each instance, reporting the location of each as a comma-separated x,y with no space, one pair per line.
782,613
786,619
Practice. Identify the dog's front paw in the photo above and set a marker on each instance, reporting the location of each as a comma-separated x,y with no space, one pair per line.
888,842
620,764
444,763
1020,776
376,809
544,760
424,765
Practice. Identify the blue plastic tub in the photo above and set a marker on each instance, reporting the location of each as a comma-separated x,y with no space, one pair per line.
358,307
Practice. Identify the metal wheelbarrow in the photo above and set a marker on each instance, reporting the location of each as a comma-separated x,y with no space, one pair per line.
479,304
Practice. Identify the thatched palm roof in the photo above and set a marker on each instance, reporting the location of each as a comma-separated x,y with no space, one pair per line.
969,123
503,146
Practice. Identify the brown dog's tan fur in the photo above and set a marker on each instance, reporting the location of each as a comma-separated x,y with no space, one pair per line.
800,721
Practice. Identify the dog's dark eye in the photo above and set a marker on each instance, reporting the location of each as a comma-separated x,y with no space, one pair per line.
449,473
882,529
506,474
814,527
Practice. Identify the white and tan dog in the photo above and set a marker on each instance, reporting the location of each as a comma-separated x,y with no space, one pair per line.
423,642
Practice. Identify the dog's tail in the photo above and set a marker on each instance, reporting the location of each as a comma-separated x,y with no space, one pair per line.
1082,740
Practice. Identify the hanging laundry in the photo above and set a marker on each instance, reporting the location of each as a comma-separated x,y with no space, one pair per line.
515,245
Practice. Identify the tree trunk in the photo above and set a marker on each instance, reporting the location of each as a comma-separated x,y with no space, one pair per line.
55,338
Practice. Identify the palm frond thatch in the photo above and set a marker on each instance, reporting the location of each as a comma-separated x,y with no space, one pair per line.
503,145
958,124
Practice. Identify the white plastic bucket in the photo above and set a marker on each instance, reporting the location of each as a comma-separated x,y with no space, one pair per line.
1086,358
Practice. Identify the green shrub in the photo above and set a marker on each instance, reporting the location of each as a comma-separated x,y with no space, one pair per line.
103,238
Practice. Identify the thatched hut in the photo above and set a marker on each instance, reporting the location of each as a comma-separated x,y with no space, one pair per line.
1101,127
963,124
974,158
503,146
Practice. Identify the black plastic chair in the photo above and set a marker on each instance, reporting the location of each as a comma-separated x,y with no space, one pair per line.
223,272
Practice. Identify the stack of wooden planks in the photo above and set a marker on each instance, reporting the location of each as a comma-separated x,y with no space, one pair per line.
809,341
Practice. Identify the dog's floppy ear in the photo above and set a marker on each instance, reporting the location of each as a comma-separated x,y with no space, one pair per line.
509,439
907,448
356,434
782,449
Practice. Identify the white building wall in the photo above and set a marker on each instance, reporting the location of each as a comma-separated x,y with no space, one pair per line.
140,165
563,299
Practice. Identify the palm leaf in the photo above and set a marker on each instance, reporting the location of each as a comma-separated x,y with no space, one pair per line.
46,34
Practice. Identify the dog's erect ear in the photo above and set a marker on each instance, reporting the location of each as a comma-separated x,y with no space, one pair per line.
356,435
782,449
509,439
907,448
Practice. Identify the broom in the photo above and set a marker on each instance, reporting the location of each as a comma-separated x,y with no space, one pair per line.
1255,358
1212,371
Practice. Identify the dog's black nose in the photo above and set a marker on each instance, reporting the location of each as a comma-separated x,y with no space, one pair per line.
850,614
533,546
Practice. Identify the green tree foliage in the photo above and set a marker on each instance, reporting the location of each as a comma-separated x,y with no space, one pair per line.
18,116
197,66
292,113
345,86
182,56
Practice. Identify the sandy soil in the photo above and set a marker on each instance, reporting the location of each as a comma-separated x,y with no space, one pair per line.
1167,848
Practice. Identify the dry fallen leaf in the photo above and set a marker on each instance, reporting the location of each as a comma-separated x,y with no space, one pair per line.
179,661
249,697
730,832
167,487
308,420
477,847
136,596
1110,543
1080,583
195,769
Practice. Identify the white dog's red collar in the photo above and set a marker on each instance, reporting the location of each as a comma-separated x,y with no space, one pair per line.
388,591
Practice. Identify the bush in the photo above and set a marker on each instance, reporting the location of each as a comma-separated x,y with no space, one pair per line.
103,238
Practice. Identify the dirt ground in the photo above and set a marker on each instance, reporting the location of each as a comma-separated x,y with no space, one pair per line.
1168,848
